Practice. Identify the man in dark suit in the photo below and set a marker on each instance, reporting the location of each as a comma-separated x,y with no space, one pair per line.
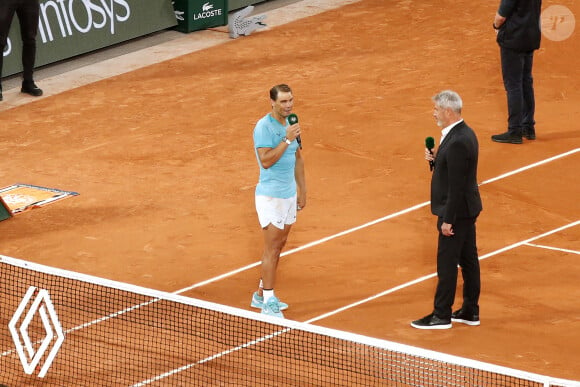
28,12
456,202
517,23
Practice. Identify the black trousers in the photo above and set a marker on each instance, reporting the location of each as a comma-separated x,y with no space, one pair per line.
516,68
28,12
459,249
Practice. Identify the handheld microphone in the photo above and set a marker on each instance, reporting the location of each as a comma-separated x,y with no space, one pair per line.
293,119
430,144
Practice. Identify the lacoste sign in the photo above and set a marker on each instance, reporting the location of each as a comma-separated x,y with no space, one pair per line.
207,10
198,15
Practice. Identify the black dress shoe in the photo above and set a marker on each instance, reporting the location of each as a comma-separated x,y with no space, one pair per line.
529,133
31,88
507,137
432,322
465,318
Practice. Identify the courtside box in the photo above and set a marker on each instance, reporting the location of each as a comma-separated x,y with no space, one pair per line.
193,15
5,212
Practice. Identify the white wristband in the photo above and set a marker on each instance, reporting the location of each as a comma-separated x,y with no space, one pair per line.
287,141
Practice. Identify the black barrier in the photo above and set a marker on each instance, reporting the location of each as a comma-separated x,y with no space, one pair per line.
72,27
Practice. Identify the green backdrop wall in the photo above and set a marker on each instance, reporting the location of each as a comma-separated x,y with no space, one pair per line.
71,27
236,4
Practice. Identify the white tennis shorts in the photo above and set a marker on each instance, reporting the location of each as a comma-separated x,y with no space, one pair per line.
278,212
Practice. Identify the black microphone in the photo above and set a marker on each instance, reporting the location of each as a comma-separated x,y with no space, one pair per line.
293,119
430,144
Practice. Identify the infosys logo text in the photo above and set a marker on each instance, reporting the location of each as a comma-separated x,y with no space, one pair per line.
70,19
92,14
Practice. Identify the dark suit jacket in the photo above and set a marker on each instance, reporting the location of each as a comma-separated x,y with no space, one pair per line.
454,191
521,30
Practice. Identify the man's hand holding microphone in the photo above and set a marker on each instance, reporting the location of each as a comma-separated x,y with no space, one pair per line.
293,130
429,155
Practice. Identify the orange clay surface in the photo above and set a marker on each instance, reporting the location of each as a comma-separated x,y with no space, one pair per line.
163,160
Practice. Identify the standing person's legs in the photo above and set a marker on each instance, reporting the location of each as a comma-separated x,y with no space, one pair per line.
528,122
7,11
512,70
276,217
448,252
274,241
28,14
469,262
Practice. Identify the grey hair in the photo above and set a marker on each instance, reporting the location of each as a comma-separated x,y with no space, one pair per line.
448,99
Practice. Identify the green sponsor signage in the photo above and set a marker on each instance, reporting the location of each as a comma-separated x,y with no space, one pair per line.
193,15
71,27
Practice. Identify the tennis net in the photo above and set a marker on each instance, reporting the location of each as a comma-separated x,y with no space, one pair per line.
60,328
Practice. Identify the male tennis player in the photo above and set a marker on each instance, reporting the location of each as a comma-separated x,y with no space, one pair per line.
280,192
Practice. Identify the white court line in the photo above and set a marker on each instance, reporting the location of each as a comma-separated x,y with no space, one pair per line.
432,275
368,224
531,166
210,358
554,248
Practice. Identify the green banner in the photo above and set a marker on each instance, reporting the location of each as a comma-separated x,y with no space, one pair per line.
71,27
193,15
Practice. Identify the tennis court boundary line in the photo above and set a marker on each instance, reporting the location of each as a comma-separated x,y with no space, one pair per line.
368,224
562,250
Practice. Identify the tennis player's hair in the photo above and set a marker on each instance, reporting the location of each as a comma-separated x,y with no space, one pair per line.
448,99
277,89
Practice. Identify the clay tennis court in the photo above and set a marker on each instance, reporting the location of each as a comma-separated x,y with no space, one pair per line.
163,161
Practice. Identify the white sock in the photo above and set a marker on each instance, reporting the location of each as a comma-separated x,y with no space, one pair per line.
268,293
261,288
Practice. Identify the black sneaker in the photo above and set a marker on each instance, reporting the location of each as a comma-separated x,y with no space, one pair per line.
31,88
465,318
529,133
507,137
432,322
